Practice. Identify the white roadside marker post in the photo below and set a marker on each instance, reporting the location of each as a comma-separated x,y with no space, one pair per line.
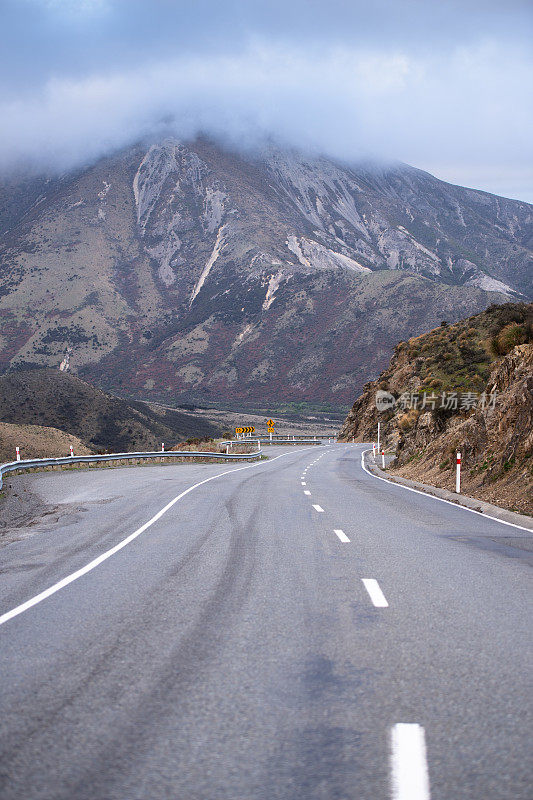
374,452
18,453
458,474
162,447
383,459
379,431
71,451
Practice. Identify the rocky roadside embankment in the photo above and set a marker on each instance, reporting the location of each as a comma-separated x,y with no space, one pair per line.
494,436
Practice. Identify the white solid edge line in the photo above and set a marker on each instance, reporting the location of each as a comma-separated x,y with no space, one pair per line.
376,595
409,770
38,598
317,508
342,536
440,499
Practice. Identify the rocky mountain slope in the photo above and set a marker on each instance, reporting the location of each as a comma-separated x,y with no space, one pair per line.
58,400
187,270
467,387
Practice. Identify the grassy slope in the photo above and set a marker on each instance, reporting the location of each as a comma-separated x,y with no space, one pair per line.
37,441
460,356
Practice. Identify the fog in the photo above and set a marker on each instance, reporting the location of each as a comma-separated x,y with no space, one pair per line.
442,86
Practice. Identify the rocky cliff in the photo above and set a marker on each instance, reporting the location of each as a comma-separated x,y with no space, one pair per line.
468,388
182,269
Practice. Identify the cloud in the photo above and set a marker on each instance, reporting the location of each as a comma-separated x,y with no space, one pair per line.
456,107
75,6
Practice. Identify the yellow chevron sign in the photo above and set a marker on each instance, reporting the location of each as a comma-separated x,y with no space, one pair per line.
245,430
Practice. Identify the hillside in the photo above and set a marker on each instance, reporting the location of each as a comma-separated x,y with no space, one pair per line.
37,441
185,271
487,361
59,400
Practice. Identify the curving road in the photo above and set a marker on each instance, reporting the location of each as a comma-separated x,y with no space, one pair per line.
293,629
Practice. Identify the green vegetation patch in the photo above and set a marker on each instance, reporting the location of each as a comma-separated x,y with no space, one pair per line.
460,356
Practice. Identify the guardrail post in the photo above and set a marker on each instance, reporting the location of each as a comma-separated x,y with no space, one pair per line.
458,474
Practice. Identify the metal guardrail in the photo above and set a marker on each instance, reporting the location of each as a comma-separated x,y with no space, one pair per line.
266,440
35,463
283,440
298,438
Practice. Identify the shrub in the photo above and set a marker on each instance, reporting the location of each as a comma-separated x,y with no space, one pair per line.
407,420
509,337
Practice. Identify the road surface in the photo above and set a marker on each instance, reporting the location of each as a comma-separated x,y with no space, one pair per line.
292,629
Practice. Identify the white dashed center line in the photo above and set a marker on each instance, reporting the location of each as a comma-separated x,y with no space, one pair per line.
376,595
410,779
317,508
306,491
304,483
342,536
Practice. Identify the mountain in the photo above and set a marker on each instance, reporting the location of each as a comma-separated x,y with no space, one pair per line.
487,361
58,400
184,270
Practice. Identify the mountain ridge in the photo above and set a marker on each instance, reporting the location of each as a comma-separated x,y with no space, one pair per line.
187,270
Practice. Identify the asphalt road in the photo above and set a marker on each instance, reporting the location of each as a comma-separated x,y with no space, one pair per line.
249,646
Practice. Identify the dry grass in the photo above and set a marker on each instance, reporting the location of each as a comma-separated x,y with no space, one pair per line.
37,441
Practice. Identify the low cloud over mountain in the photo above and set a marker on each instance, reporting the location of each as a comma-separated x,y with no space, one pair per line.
444,91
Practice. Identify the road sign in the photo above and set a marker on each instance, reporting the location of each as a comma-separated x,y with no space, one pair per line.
249,429
270,423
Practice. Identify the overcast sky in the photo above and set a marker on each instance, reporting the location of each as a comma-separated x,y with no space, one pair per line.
441,84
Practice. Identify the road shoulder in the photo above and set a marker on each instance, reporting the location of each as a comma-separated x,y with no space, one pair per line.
472,503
